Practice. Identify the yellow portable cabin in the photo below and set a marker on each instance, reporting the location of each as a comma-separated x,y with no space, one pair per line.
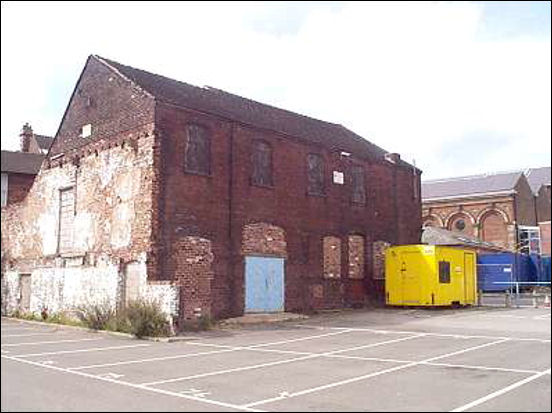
430,275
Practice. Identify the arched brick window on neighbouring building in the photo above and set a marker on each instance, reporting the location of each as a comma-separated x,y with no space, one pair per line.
461,223
198,150
315,174
430,221
332,257
493,228
261,164
356,256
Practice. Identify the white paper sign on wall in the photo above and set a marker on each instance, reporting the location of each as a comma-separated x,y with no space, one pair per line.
338,177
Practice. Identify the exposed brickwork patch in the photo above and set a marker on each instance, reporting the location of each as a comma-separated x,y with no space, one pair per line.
332,257
378,259
356,257
264,239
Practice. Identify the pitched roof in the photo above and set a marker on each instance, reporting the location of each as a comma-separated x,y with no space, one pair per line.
470,185
538,177
44,142
441,236
237,108
21,162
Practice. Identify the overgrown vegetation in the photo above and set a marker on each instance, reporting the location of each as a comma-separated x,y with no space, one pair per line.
141,318
55,318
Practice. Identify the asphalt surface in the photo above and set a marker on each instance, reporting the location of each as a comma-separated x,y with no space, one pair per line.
474,359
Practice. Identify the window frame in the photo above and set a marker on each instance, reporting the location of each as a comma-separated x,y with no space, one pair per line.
355,185
444,272
255,164
201,170
311,191
4,188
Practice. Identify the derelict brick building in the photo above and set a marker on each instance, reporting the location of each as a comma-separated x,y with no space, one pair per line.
211,203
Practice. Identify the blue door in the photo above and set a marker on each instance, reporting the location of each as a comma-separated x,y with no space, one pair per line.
264,284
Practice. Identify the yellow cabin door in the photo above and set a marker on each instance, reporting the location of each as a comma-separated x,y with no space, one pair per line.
469,278
412,264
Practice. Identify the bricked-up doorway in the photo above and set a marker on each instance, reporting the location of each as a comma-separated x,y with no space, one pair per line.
264,284
25,293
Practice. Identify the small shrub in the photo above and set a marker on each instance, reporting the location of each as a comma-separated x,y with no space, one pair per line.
97,316
143,318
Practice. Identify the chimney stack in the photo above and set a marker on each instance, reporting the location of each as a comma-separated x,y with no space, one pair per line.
26,135
392,157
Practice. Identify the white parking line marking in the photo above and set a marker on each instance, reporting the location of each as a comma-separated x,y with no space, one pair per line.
81,351
342,356
540,340
28,335
274,363
119,363
500,392
137,386
378,373
50,342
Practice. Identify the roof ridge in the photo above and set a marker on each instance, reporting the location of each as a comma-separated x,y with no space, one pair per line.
468,177
213,89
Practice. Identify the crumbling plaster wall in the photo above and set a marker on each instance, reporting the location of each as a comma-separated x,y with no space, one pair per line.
112,226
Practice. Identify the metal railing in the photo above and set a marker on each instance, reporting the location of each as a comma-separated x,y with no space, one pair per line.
515,292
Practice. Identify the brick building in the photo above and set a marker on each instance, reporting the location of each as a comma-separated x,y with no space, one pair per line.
502,208
20,168
212,203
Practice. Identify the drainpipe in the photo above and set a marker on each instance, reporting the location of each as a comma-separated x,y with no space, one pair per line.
231,259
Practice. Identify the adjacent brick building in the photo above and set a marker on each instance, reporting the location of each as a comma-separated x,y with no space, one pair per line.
20,168
157,188
503,208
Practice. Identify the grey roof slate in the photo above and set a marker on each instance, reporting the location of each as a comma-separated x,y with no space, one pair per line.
468,185
44,142
538,177
21,162
237,108
441,236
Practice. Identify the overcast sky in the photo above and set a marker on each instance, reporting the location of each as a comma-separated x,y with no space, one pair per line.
459,87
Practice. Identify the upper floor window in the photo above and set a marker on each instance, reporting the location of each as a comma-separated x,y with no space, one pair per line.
198,150
358,194
315,174
261,164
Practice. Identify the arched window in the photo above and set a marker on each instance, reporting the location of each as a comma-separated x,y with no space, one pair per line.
356,256
315,174
261,164
494,228
198,150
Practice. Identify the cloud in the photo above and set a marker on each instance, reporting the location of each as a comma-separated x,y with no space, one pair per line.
413,78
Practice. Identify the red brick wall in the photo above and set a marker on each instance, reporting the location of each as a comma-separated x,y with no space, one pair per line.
525,203
543,204
218,208
108,102
545,237
18,187
494,229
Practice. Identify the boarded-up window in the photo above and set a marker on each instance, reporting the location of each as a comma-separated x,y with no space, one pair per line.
261,164
332,257
198,150
315,174
356,257
66,218
358,191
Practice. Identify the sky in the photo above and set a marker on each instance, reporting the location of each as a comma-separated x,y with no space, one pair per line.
458,88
